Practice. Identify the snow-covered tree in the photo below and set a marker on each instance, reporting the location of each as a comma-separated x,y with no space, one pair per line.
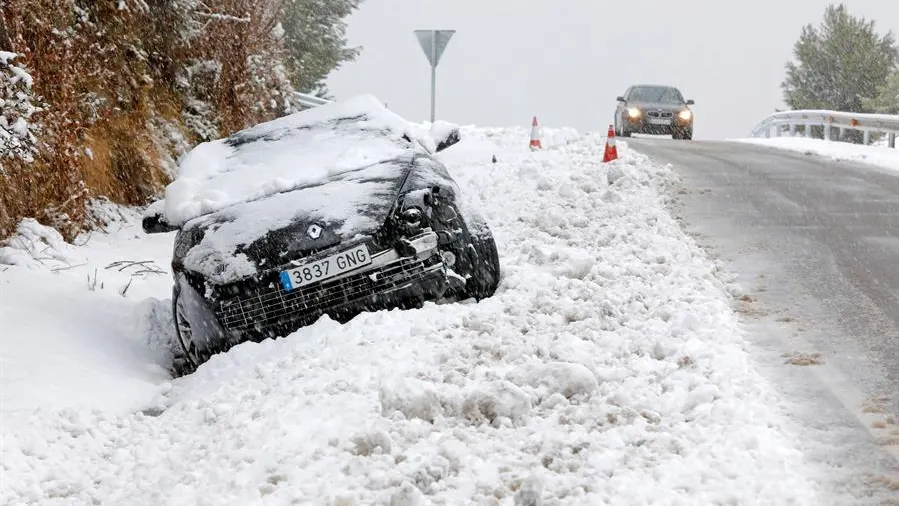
315,38
17,105
886,101
839,63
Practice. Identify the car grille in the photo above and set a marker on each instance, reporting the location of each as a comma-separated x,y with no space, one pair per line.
268,304
660,114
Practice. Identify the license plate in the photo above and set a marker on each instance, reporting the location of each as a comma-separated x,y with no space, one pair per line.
325,268
660,121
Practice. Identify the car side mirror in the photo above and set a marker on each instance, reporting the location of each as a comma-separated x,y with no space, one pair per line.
154,221
445,134
620,99
690,102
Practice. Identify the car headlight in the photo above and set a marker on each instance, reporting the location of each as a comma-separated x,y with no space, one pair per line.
633,112
412,217
685,115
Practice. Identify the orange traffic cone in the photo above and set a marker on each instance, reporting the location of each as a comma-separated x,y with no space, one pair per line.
611,150
535,135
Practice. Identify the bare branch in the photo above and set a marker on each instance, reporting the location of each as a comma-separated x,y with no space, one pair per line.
124,290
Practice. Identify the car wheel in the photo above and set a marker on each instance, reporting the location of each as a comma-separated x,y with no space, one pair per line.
484,276
187,358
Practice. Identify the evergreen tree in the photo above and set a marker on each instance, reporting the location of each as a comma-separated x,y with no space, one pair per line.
315,39
839,63
886,101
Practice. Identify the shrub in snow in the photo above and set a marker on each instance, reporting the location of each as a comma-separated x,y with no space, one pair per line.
33,244
17,105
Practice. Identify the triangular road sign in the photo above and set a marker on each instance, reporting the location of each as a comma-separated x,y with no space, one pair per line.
434,42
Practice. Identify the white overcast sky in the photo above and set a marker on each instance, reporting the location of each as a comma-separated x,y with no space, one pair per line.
565,61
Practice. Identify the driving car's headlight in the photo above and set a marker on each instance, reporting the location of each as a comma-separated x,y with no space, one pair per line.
685,115
633,112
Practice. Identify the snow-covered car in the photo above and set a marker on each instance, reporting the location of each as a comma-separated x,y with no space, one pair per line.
334,210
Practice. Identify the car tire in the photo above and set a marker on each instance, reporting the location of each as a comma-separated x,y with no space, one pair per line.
185,356
483,281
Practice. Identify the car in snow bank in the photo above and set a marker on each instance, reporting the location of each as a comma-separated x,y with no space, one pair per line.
334,210
653,109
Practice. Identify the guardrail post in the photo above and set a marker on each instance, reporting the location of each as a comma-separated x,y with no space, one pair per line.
891,141
866,137
808,130
827,132
792,129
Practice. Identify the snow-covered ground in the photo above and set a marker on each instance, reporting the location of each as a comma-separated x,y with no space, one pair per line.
879,155
609,368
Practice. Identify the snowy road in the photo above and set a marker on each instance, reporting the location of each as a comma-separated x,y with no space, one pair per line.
815,241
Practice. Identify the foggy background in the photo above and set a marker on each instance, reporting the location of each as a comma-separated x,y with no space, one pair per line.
565,61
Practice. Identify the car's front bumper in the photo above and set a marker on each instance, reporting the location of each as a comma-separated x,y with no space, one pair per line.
263,308
656,125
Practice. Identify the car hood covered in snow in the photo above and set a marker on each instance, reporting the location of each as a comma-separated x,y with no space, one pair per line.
249,237
338,166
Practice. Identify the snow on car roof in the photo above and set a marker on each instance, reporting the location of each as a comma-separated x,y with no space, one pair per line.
297,150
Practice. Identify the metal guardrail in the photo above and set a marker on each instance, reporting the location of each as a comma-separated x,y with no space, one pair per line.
829,120
310,100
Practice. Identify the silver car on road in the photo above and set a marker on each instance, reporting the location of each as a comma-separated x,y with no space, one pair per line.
654,109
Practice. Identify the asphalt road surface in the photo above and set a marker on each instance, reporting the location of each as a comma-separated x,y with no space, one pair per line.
815,247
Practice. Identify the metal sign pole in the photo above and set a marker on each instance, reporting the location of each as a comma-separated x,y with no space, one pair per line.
434,42
433,80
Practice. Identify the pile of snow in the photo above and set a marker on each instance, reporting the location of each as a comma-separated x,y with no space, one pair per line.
607,369
881,156
75,330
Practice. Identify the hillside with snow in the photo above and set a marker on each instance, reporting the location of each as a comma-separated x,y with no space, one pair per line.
609,368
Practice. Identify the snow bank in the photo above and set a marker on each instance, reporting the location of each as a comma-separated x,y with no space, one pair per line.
608,369
881,156
69,339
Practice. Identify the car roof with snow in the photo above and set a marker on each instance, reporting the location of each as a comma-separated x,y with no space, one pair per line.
313,146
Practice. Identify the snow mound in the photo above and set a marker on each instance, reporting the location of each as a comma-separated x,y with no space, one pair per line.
35,246
608,368
570,380
411,398
496,402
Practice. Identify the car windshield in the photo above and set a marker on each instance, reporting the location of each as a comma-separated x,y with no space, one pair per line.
658,94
